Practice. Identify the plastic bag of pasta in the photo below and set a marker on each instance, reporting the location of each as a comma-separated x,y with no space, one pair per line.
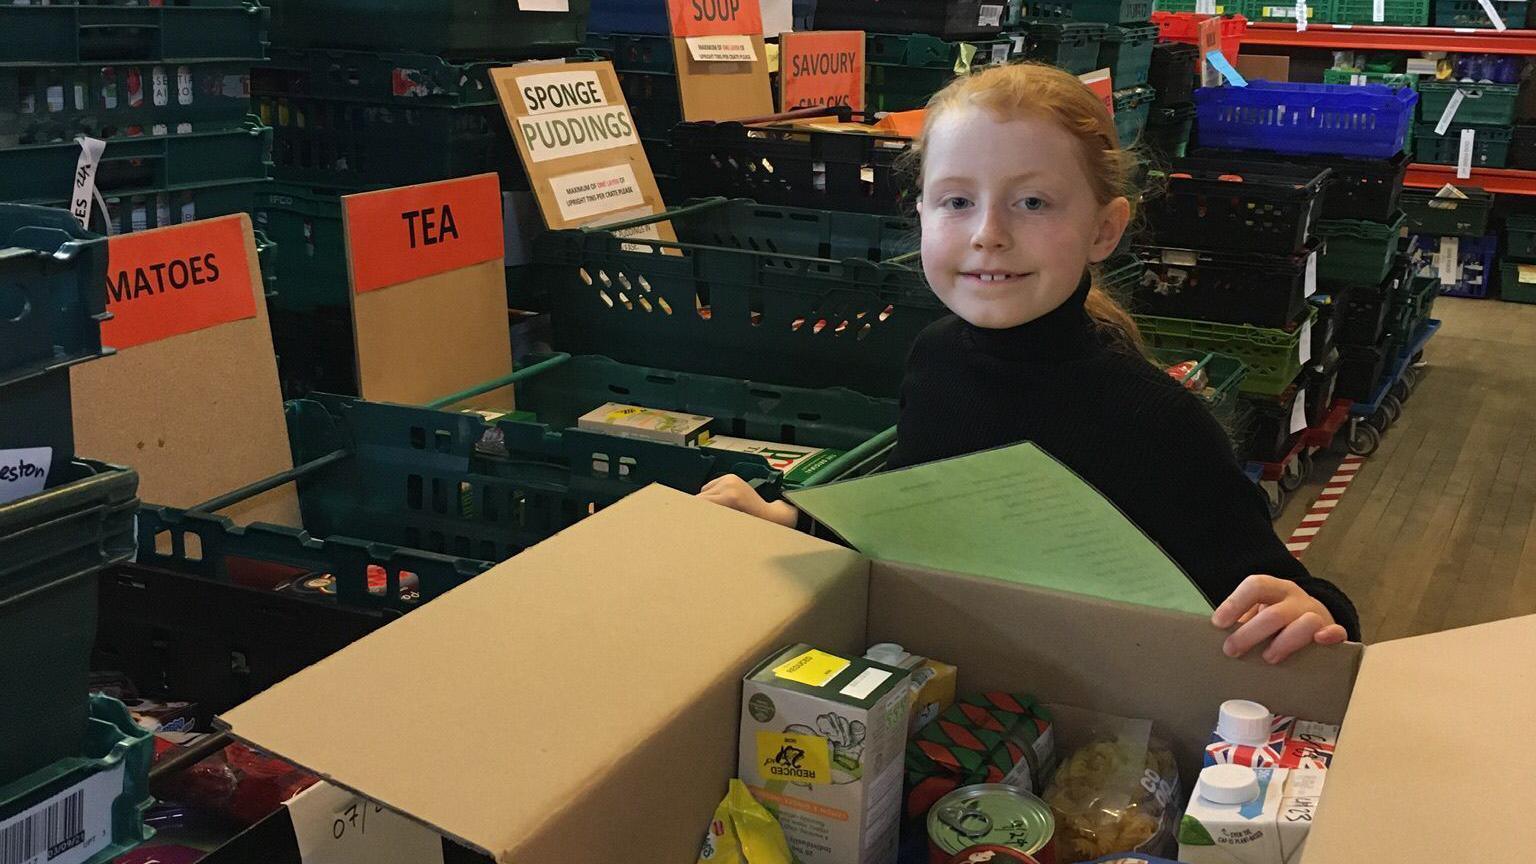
1116,790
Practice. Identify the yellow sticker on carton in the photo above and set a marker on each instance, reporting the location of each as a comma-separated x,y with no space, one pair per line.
813,668
793,758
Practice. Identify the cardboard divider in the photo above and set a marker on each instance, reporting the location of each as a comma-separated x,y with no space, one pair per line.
195,408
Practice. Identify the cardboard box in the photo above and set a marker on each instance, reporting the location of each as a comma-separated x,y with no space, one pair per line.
592,688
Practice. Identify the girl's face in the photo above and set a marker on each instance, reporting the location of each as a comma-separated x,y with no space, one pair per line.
1009,220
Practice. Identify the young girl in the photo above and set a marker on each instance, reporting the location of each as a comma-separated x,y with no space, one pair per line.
1024,190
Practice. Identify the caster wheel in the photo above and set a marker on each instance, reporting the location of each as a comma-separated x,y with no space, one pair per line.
1307,465
1394,408
1293,475
1411,378
1401,389
1380,420
1275,494
1363,439
1418,361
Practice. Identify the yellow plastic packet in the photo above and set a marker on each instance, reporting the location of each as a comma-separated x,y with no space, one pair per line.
743,832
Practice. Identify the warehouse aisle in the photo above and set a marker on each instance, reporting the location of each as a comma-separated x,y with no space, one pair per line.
1437,531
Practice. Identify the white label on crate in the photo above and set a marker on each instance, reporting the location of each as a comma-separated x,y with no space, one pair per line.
1180,257
991,15
1000,53
1525,274
69,828
160,87
590,130
1299,411
585,194
183,128
162,210
79,97
562,91
544,5
85,179
1205,7
159,129
1464,158
1449,113
1448,259
1343,26
1420,66
1301,16
1378,10
188,210
1357,80
23,472
721,49
55,99
139,217
1304,345
334,826
1018,45
1493,14
183,85
1311,284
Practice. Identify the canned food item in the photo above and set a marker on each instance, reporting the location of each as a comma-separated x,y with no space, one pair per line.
993,855
991,814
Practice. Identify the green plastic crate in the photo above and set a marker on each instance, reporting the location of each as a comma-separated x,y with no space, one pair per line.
1318,11
1481,103
104,783
52,293
1389,79
1491,149
1101,11
1418,297
1272,355
1193,6
43,173
1070,45
1517,282
1428,213
1132,107
1127,53
451,28
376,77
1225,375
51,546
1119,276
1470,13
50,34
1402,13
806,298
1519,238
1357,252
904,71
51,104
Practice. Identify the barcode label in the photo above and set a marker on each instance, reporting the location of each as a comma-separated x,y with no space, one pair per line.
68,828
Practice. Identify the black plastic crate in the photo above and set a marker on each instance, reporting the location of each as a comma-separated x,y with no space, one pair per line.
1360,367
1226,204
1265,290
451,28
1167,134
1172,73
948,18
95,33
1270,437
1363,317
829,170
1429,213
1322,380
1522,148
1325,327
1367,189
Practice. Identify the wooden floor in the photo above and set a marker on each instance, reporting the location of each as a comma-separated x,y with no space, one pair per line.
1439,528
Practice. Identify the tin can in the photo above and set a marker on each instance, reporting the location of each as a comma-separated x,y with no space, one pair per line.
991,814
993,855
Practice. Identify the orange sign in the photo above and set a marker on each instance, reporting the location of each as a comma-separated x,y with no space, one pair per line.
715,18
821,68
171,281
399,235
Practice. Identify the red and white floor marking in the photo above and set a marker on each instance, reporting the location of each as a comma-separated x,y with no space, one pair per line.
1322,508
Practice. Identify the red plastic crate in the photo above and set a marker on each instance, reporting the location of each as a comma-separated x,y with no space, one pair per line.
1185,27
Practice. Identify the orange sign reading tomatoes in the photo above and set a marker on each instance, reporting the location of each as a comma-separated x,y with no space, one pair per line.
822,69
715,18
400,235
171,281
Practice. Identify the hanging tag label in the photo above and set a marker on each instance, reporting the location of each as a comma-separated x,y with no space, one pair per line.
1018,45
1219,61
1449,260
1000,53
1464,159
85,179
990,15
1493,14
1205,7
1299,411
1378,11
1449,113
1311,276
1357,80
1301,16
1304,345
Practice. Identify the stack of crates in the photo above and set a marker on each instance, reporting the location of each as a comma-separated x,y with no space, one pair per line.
647,74
1125,38
1517,275
1231,263
167,87
1516,14
1172,75
1479,101
904,70
1451,228
71,753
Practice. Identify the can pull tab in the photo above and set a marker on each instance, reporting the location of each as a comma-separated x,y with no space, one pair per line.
967,821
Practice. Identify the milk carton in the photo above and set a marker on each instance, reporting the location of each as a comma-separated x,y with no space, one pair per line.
1248,734
1243,815
822,738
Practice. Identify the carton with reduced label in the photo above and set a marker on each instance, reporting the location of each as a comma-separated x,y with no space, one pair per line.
822,738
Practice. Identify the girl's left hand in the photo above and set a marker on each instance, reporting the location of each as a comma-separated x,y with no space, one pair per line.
1275,609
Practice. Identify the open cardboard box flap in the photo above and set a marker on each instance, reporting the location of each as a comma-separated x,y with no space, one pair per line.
579,702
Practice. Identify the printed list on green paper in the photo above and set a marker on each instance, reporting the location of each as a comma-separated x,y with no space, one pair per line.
1013,513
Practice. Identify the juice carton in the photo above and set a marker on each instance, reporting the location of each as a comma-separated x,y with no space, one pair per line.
797,463
1243,815
633,421
822,738
932,683
1310,745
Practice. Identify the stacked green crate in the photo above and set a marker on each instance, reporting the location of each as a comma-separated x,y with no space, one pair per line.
1518,272
1449,109
903,72
1318,11
167,88
647,74
1393,13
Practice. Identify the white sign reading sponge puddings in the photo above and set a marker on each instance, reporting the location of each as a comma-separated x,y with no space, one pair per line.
578,142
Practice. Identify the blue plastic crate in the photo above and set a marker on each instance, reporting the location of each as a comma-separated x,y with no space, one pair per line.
1330,119
1477,264
629,16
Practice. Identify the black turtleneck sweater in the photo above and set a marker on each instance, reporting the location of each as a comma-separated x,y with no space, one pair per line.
1120,423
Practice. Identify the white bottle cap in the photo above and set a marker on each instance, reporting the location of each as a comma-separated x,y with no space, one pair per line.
888,653
1244,722
1228,784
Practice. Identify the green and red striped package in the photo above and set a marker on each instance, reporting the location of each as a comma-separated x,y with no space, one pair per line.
988,738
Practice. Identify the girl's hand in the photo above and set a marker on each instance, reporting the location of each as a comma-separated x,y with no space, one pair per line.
1275,609
733,492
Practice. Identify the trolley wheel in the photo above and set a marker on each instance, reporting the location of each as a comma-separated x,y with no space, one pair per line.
1363,439
1418,360
1292,475
1380,420
1411,378
1308,465
1402,388
1274,494
1394,407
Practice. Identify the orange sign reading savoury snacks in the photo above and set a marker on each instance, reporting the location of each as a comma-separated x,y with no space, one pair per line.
171,281
400,235
715,18
822,68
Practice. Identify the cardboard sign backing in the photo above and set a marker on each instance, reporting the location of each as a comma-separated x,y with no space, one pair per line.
191,400
429,296
723,91
820,69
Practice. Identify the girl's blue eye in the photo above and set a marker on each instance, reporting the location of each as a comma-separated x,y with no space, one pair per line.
1033,203
955,202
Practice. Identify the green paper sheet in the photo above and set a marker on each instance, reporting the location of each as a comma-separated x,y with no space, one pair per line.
1013,513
